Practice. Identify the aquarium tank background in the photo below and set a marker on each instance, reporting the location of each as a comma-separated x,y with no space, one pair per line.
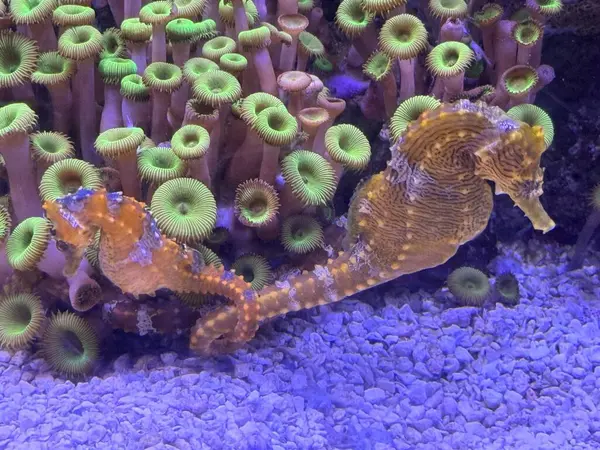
299,224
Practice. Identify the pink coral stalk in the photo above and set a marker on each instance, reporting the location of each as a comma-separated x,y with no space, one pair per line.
506,47
53,263
136,113
407,78
335,107
316,15
264,70
246,161
287,7
160,106
22,181
62,102
138,52
88,125
132,8
159,43
43,33
239,13
116,8
5,269
111,113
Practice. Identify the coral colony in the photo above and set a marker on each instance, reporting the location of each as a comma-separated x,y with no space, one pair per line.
197,148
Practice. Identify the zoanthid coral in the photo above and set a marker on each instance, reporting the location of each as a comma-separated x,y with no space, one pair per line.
184,209
121,144
534,116
301,234
66,177
18,56
256,203
469,286
21,320
348,146
410,110
310,177
507,289
255,269
70,344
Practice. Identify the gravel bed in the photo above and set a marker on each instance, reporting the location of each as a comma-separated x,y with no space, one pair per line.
412,373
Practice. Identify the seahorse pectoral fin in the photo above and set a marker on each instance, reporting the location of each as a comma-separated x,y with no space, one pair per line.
535,212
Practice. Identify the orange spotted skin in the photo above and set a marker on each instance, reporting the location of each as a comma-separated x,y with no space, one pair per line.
432,198
138,259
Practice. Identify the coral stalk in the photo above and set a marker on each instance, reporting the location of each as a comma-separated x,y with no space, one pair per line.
111,112
84,87
132,8
20,168
43,33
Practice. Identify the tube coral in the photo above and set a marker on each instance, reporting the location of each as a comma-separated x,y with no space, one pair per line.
49,147
135,104
113,70
310,177
404,37
18,57
256,42
534,116
487,18
16,120
293,24
449,60
254,269
162,79
120,145
82,44
191,143
136,35
37,15
357,23
470,287
55,72
301,234
218,89
157,14
409,111
276,127
379,68
528,36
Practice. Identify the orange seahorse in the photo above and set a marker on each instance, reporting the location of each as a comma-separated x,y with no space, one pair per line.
138,259
432,198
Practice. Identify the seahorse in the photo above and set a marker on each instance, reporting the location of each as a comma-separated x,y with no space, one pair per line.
139,259
433,197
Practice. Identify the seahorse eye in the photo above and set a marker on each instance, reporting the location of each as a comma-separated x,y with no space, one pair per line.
62,246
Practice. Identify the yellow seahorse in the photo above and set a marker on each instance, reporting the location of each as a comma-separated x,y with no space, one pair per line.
432,198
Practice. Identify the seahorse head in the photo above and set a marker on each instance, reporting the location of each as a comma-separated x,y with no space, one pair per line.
73,228
512,162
